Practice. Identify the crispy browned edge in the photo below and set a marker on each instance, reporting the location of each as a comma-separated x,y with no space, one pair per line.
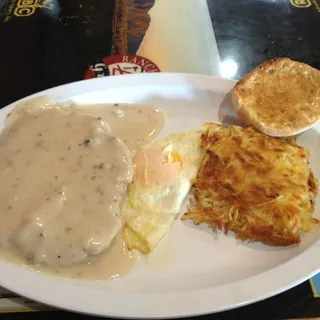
241,110
259,234
264,65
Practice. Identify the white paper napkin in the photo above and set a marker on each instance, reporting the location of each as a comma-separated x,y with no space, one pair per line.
180,38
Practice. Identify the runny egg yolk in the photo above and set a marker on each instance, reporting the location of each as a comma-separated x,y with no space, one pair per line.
156,166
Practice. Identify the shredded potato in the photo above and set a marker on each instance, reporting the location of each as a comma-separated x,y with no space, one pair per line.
257,186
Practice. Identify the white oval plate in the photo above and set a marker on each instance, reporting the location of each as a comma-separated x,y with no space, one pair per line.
194,270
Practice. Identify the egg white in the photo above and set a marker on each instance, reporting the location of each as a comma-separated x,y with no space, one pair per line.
152,205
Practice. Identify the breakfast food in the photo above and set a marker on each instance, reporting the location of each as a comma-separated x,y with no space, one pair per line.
163,171
257,186
64,173
83,188
281,97
45,177
134,124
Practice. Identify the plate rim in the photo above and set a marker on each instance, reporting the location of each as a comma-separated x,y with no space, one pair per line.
159,305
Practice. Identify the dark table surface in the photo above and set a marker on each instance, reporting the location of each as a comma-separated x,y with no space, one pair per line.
52,46
57,44
250,32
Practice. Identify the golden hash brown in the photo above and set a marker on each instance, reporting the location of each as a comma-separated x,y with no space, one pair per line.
257,186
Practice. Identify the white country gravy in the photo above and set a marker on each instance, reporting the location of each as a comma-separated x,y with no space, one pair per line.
134,124
63,174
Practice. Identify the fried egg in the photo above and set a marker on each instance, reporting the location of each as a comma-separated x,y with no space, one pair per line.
163,175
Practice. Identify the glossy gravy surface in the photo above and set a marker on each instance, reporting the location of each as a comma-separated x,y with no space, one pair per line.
63,174
135,125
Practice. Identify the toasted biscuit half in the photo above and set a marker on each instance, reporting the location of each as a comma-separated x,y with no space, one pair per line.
281,97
